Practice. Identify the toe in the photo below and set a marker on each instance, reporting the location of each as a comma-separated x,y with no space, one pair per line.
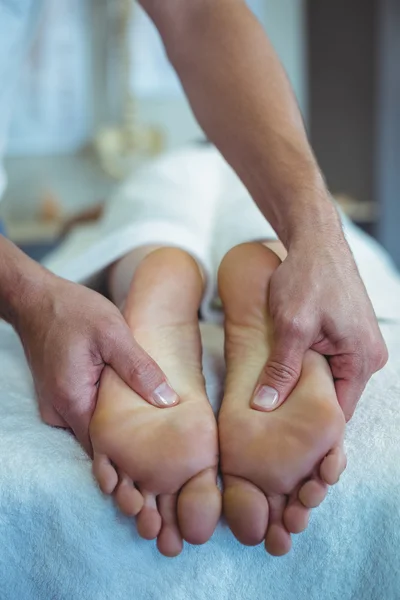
333,465
199,507
296,515
128,498
149,519
104,472
313,492
169,541
245,509
277,540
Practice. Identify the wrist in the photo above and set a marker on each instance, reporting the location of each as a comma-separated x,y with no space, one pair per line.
314,217
293,195
22,282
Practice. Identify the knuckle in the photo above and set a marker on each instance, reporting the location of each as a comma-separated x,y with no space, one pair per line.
144,370
371,350
280,373
379,356
294,326
110,321
111,329
46,414
349,365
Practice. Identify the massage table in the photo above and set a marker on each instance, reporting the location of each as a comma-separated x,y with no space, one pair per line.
61,539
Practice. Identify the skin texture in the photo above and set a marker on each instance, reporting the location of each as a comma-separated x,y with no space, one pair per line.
160,466
69,334
241,97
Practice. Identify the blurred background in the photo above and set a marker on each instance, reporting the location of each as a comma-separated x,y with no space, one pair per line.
96,97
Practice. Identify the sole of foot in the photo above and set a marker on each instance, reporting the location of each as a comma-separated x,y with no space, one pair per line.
276,465
161,464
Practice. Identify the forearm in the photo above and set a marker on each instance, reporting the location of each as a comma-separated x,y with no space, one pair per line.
241,97
21,282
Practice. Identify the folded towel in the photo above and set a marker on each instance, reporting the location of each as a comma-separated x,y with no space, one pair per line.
193,199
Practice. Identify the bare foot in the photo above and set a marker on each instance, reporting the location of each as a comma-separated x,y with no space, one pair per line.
276,465
161,464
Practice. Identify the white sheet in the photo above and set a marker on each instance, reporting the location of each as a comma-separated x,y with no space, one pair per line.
62,540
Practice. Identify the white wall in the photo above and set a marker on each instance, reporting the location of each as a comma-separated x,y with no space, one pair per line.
56,112
77,180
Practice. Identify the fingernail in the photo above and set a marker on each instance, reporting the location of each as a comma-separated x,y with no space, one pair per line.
164,395
266,397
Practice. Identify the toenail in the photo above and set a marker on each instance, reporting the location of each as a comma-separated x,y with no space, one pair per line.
266,397
164,395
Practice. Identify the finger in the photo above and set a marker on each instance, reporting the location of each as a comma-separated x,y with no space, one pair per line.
51,417
138,369
79,421
348,393
76,409
280,375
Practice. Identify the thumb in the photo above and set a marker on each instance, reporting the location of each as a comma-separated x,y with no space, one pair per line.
139,371
279,376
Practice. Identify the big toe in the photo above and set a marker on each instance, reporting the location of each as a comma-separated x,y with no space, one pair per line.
245,509
199,507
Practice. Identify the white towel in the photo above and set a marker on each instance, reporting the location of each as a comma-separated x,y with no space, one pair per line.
171,202
60,539
191,198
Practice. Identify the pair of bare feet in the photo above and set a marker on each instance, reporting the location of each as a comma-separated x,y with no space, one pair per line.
161,465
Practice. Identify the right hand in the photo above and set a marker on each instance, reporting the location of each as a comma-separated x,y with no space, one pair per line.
69,334
317,300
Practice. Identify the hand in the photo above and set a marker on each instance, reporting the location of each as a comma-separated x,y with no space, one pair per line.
69,335
317,300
